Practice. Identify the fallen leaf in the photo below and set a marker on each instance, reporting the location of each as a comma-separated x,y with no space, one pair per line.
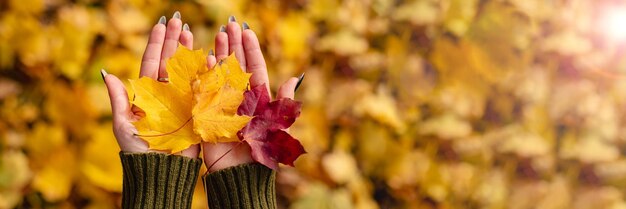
96,164
54,181
15,174
340,166
382,108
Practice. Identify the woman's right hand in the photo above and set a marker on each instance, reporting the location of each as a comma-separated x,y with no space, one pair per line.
245,45
162,44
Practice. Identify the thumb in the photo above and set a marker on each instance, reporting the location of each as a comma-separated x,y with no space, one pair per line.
287,89
117,94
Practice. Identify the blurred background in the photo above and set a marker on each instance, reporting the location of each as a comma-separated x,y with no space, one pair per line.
407,104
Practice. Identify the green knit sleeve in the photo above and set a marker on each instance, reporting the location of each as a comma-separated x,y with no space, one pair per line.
156,180
245,186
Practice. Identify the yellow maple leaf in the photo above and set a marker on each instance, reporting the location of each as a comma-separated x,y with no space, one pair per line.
197,104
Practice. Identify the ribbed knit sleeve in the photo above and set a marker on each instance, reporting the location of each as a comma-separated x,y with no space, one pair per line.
156,180
245,186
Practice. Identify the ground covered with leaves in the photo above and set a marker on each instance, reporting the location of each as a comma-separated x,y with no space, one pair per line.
406,104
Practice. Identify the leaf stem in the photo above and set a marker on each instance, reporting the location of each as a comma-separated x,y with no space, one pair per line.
164,134
223,155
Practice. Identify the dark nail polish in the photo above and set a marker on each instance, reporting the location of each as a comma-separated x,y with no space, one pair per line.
232,19
162,20
300,79
176,15
211,52
245,26
222,28
103,73
186,27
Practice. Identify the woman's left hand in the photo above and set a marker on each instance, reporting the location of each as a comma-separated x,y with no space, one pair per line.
162,44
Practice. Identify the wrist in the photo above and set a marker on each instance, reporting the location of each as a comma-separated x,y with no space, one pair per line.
225,155
244,186
156,179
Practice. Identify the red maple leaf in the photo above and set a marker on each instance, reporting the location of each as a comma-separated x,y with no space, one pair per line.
270,144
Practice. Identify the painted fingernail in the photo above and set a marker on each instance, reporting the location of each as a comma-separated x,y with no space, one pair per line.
162,20
222,28
232,19
245,26
103,73
186,27
211,53
300,79
176,15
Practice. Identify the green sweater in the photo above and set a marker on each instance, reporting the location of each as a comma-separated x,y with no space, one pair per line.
155,180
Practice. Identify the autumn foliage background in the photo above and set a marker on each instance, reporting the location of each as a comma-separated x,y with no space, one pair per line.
407,104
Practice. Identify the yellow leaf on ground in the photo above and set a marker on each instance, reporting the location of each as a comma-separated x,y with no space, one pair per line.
96,163
16,175
382,108
54,181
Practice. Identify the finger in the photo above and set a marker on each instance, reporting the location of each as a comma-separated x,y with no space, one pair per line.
172,35
152,56
254,57
287,89
117,94
186,37
211,60
221,44
234,41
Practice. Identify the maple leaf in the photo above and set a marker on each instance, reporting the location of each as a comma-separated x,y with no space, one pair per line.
197,104
270,144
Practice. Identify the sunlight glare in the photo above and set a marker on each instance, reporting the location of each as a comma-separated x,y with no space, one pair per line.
615,24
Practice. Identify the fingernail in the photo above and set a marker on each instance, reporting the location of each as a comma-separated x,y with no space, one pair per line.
186,27
103,73
176,15
300,79
222,28
211,52
162,20
232,19
245,26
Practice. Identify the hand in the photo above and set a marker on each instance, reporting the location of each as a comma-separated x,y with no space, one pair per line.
162,44
245,44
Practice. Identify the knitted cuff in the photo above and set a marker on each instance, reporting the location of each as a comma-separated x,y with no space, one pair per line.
157,180
244,186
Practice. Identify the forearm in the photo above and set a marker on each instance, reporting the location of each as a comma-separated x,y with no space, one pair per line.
155,180
245,186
